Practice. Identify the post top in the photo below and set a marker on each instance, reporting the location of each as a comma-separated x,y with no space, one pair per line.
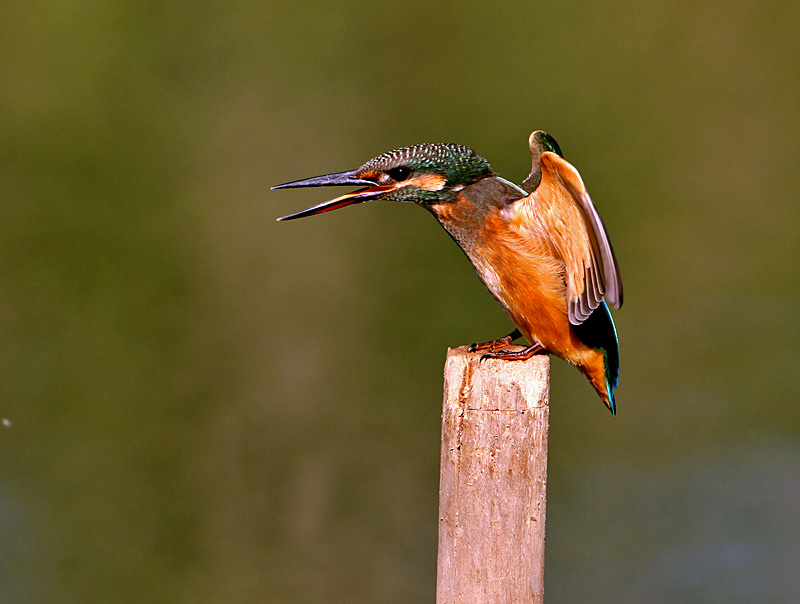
494,384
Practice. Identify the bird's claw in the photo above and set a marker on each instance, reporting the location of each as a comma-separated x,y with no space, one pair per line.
492,345
476,346
514,355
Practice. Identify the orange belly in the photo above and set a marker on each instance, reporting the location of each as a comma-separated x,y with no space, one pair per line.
530,284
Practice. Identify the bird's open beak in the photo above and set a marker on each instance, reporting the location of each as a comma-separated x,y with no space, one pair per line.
337,179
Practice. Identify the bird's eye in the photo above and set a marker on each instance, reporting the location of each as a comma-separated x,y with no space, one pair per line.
399,174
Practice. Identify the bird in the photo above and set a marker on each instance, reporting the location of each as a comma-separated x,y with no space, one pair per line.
541,249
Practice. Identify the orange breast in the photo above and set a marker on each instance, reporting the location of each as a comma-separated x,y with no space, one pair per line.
529,282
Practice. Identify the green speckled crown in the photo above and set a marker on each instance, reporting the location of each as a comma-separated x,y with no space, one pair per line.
460,164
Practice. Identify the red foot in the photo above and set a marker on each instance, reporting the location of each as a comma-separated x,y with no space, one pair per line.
493,344
518,355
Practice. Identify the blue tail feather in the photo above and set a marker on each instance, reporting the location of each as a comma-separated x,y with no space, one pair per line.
598,331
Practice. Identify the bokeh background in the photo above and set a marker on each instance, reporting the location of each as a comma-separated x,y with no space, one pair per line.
202,405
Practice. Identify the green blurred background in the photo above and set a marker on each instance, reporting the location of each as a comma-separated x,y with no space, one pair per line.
203,405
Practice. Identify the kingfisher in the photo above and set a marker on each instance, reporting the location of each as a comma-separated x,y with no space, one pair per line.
541,249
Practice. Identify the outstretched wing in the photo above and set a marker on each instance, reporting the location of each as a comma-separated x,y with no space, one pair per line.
560,211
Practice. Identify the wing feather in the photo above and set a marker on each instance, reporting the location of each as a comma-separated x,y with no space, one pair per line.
561,212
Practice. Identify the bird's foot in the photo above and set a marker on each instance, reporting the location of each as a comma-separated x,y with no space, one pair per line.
515,355
494,344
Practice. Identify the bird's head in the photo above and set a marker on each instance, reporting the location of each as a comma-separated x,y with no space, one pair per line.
430,173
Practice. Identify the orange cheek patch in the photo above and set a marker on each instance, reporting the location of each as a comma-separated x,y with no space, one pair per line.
429,182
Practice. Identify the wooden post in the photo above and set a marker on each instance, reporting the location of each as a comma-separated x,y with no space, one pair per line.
493,480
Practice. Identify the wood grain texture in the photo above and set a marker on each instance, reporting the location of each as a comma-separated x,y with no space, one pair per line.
493,480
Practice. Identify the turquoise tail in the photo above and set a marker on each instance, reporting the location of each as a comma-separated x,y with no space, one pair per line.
598,331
